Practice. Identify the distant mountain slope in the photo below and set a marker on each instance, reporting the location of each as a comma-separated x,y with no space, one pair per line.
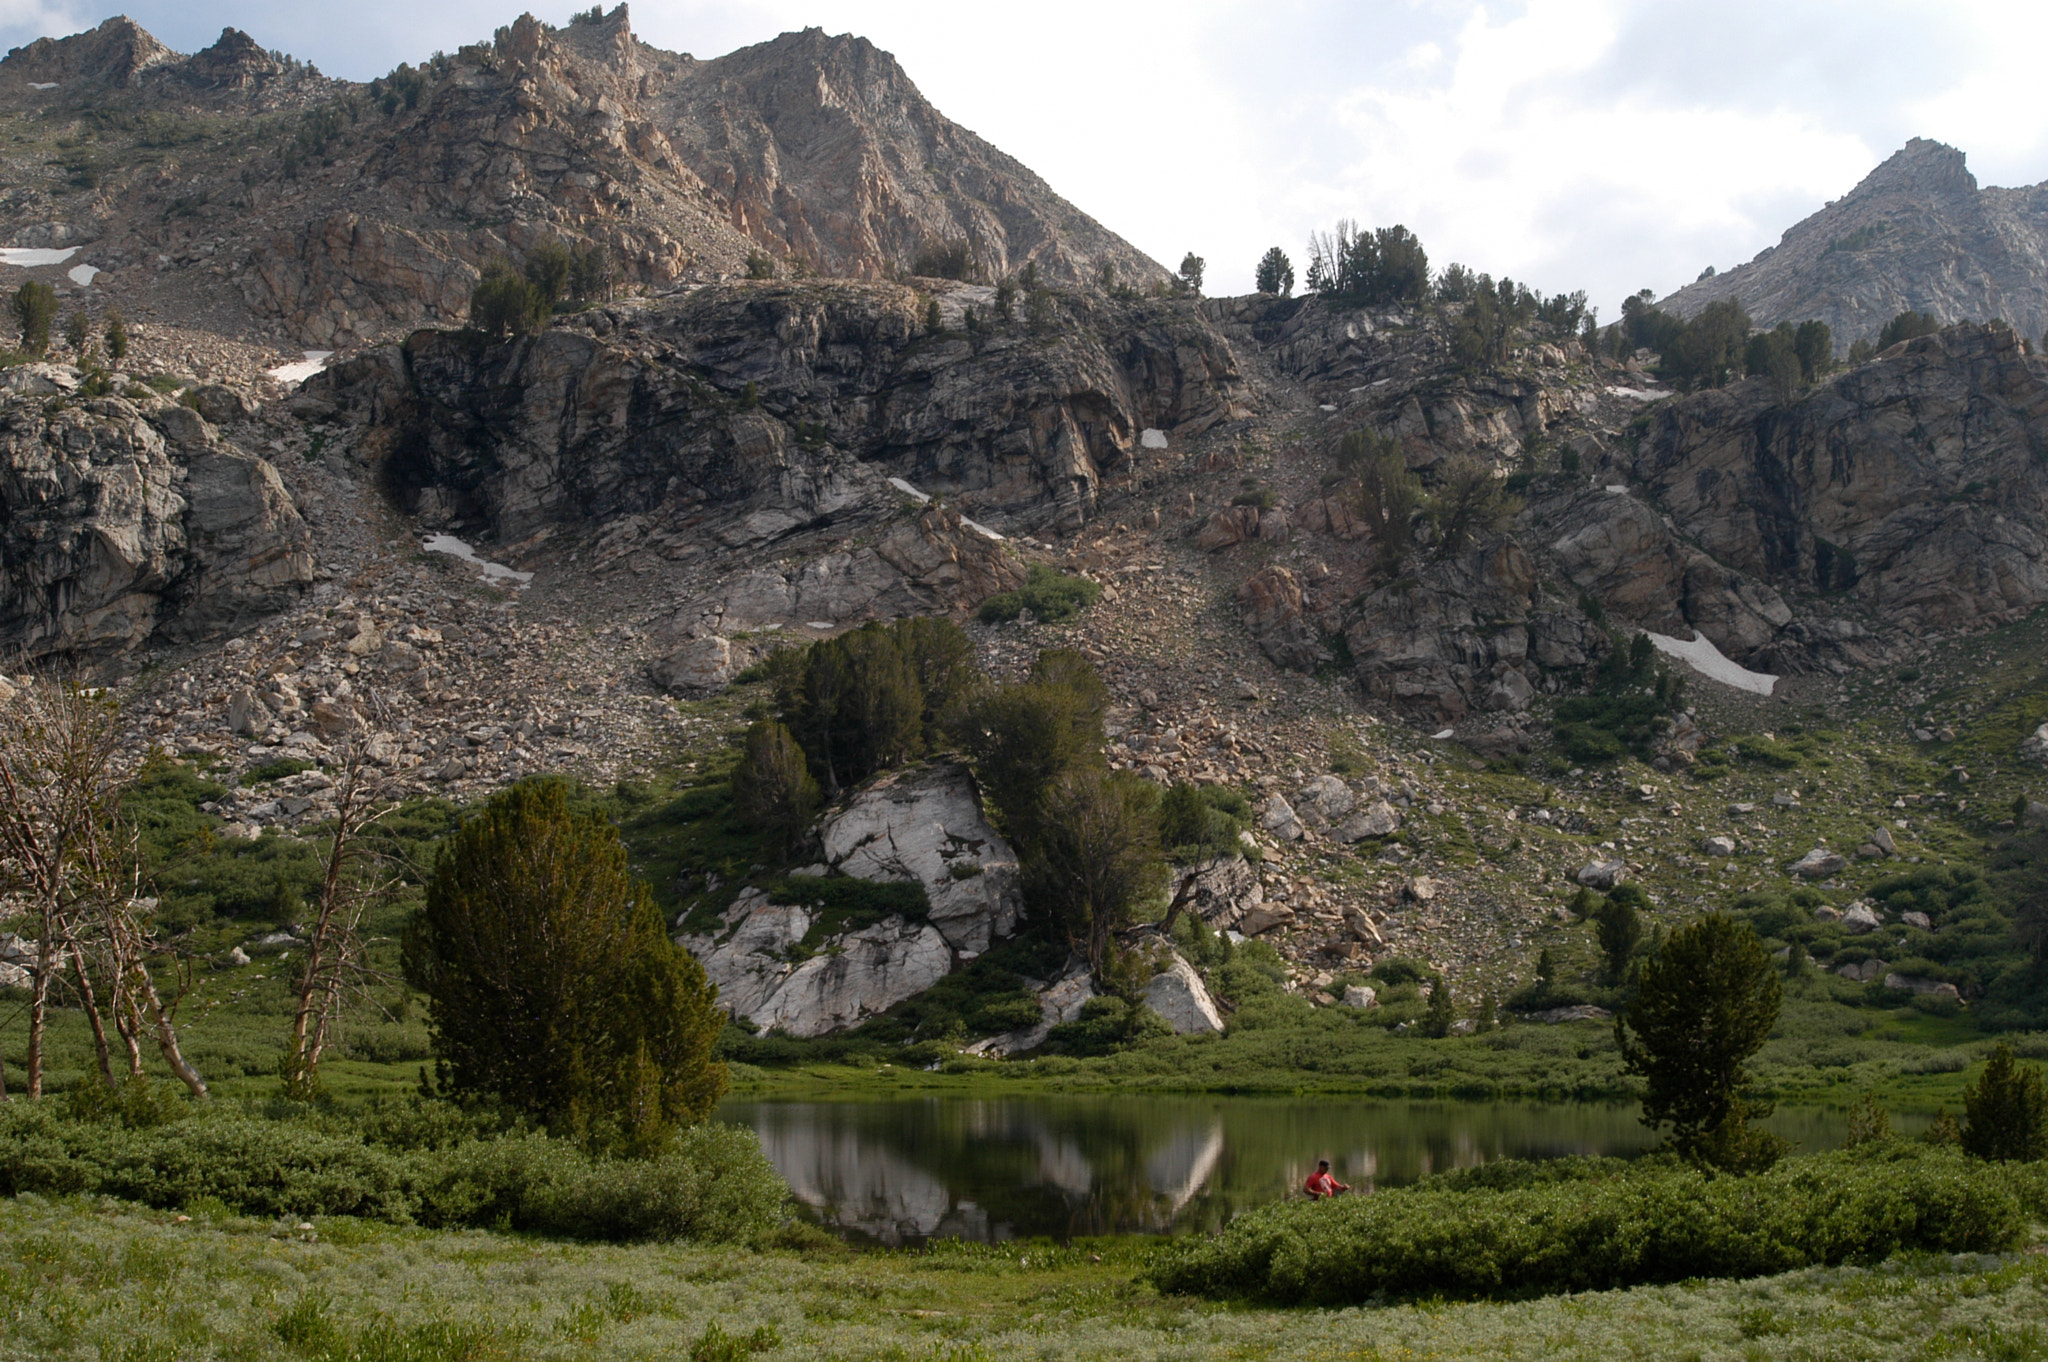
344,211
1916,233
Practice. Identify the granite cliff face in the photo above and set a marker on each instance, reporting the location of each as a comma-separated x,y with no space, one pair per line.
355,210
126,521
1913,487
1916,233
779,406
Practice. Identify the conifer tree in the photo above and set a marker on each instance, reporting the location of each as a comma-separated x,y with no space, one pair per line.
1705,1003
551,983
2006,1111
1275,273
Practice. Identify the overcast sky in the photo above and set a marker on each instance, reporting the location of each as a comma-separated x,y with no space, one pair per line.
1595,144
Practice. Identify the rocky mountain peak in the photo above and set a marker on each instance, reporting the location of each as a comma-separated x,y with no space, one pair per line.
235,61
112,54
1921,167
1917,232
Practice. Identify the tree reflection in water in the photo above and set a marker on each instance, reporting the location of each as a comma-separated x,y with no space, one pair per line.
903,1171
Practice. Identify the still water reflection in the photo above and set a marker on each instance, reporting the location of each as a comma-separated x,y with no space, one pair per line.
902,1171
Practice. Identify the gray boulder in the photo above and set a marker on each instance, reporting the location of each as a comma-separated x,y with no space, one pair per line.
1920,984
1226,889
1278,817
2035,748
1602,875
1377,819
1817,864
1328,798
759,974
1177,994
1718,846
702,666
1360,996
1860,918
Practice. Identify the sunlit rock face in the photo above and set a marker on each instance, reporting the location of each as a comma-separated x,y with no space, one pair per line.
126,521
923,825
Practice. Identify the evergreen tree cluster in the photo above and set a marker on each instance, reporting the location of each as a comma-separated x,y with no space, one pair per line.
519,301
1363,267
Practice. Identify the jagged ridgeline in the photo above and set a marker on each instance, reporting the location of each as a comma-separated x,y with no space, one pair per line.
343,210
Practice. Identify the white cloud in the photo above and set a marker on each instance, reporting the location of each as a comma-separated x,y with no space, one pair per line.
23,21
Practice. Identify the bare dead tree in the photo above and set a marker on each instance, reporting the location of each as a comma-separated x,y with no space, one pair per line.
68,864
351,880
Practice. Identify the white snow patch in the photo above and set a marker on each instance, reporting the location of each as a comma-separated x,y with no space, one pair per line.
315,361
455,548
922,497
28,256
1617,489
1445,734
818,624
1641,394
42,85
1326,406
1703,657
81,275
1152,438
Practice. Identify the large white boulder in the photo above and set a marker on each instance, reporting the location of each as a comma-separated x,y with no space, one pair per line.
926,825
1177,994
852,977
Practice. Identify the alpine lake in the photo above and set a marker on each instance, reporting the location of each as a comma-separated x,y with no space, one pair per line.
907,1170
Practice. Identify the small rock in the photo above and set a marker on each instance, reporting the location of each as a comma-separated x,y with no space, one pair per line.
238,957
1915,918
1360,996
1423,889
1860,918
2035,748
1602,875
1919,984
1718,846
1785,801
1817,864
1882,840
1827,912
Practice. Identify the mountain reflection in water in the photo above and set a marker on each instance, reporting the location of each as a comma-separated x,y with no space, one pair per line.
906,1170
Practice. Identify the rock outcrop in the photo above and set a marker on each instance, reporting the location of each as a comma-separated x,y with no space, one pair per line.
1916,233
923,825
126,521
791,417
1274,607
854,975
1912,486
926,825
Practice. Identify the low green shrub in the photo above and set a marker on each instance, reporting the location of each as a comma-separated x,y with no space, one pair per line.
275,770
1046,593
1655,1222
711,1183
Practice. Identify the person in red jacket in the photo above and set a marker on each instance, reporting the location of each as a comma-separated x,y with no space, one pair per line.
1320,1184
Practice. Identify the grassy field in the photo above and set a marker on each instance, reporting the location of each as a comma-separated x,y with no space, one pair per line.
103,1281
